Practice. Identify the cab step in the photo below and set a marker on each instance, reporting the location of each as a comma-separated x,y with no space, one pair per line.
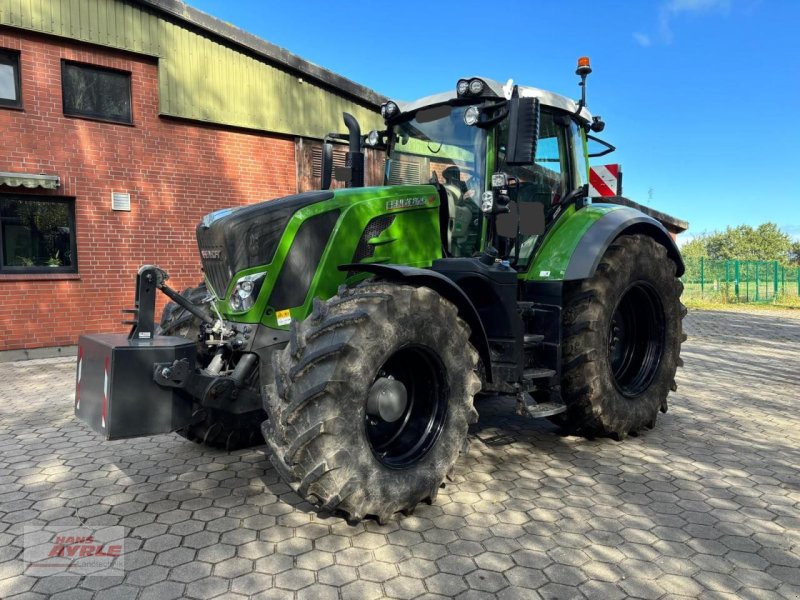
526,405
532,339
536,374
546,409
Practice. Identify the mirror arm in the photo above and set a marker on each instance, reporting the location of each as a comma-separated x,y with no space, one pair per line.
609,147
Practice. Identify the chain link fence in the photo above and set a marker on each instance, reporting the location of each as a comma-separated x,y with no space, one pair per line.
741,281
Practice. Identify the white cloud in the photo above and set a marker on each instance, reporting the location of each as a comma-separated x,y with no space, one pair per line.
674,8
671,9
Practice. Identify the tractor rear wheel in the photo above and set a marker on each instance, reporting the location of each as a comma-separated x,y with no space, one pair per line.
209,426
372,400
622,340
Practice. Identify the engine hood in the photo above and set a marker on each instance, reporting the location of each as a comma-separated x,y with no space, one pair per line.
231,240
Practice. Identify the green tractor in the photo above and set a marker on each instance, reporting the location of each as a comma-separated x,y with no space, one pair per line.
354,327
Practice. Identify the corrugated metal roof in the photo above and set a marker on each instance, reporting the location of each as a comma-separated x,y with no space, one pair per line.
265,49
208,70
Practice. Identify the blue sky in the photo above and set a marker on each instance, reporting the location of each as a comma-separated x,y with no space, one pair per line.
699,96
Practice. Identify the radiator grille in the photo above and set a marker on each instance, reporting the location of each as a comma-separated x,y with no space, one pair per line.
217,270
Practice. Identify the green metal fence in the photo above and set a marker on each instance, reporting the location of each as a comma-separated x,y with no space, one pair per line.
741,281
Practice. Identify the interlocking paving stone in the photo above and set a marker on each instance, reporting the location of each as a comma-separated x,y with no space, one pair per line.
705,505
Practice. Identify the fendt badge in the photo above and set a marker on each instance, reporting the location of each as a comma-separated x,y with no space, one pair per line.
408,203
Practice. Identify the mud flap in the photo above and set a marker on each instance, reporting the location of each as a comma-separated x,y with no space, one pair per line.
115,392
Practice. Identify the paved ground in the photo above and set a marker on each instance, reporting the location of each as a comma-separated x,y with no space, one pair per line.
706,505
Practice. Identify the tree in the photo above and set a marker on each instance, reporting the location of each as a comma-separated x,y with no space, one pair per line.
765,242
794,253
696,247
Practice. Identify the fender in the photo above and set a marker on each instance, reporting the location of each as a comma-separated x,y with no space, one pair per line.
604,231
445,288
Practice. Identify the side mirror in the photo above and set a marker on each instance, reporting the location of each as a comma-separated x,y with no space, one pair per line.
523,130
327,165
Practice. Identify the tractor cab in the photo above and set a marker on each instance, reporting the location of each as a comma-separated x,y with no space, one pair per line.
493,151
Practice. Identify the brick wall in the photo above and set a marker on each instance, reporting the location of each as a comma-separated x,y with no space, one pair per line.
175,172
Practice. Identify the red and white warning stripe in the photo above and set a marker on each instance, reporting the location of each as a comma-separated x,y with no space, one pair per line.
604,181
78,380
105,395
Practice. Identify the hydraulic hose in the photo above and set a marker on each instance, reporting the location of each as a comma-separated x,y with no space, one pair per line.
184,303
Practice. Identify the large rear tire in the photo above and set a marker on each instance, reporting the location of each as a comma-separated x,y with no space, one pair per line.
622,340
209,426
325,434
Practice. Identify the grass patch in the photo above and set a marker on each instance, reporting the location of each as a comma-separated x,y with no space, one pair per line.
787,304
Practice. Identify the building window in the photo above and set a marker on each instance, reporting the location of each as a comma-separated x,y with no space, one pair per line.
10,88
37,234
96,92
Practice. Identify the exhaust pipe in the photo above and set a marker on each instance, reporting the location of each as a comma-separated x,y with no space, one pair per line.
354,158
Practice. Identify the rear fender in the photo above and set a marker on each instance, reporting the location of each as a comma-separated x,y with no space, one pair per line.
442,286
597,239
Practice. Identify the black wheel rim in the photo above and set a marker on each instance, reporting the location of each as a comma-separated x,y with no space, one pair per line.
636,339
402,443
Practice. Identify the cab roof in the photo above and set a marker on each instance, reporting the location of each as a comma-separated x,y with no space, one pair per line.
503,91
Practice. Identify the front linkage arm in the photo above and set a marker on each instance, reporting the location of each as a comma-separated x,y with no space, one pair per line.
210,389
149,279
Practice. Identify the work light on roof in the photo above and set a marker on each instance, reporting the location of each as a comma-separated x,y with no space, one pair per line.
472,87
389,110
476,87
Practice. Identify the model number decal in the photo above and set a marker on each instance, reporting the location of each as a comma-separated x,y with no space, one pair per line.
408,203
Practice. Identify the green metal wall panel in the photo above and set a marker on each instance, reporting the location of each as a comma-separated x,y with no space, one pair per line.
199,77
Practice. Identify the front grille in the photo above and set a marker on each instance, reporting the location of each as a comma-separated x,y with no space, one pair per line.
217,270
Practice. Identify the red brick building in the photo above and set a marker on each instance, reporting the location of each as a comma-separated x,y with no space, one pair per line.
110,157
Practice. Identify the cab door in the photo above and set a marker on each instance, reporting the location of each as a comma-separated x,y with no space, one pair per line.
547,180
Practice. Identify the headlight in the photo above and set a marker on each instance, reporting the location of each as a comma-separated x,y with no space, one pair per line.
472,115
462,87
487,203
499,180
373,138
389,110
245,292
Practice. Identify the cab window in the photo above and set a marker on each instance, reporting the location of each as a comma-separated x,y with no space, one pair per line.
547,180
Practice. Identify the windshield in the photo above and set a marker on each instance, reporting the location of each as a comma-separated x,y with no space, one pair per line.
436,145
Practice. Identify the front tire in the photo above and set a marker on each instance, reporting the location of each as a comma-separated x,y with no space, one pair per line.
622,340
325,436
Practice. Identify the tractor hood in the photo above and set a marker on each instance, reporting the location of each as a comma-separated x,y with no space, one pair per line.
232,240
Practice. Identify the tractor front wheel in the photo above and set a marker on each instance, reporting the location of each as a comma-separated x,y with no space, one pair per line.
622,340
372,400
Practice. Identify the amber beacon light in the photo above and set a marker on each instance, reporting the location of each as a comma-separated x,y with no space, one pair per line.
584,68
